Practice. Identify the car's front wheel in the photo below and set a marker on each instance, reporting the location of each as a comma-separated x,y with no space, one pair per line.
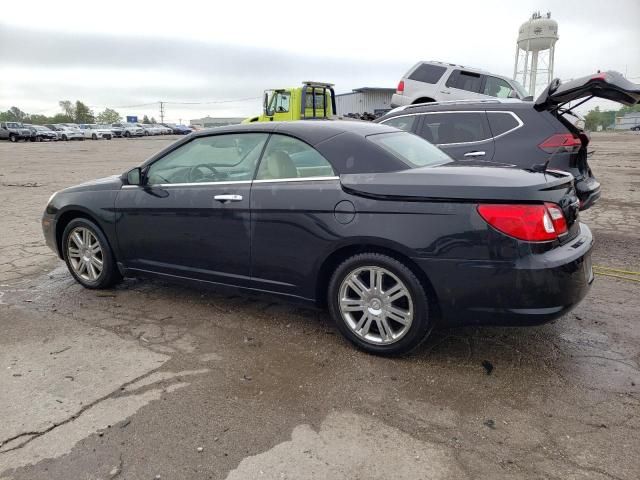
88,255
379,304
13,138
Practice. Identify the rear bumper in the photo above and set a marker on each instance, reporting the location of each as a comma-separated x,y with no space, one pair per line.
535,289
399,100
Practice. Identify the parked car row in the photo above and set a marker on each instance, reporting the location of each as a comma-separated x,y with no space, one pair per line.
16,131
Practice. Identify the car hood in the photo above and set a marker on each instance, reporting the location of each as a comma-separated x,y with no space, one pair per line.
456,182
113,182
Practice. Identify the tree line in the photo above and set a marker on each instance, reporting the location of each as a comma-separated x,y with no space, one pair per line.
71,112
606,118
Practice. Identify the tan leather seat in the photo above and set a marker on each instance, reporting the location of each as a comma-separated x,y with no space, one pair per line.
279,165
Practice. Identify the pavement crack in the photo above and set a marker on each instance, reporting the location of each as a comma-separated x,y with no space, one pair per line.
32,435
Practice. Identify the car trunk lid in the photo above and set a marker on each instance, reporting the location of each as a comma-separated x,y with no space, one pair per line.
608,85
458,183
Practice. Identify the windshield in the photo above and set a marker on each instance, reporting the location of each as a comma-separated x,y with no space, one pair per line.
519,88
411,149
13,125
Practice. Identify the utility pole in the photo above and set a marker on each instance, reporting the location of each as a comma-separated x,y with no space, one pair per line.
161,112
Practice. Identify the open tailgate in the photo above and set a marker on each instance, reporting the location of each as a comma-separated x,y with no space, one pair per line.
608,85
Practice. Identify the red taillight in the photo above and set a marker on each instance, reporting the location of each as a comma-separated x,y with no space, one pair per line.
533,223
400,88
562,142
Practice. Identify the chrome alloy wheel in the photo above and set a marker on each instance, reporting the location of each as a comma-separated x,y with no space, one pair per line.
85,254
376,305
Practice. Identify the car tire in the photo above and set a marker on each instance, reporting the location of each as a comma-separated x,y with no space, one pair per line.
12,138
376,321
127,134
64,137
82,261
94,137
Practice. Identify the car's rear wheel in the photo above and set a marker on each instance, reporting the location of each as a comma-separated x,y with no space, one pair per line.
379,304
94,137
88,255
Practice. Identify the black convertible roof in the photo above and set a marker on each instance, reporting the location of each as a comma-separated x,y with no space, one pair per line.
311,131
341,142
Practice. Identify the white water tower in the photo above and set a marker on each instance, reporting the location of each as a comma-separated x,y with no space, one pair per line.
536,45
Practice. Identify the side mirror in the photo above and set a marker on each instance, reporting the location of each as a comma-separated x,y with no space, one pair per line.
513,94
134,177
266,103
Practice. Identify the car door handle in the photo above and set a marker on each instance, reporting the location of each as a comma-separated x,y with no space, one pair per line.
226,198
474,154
444,91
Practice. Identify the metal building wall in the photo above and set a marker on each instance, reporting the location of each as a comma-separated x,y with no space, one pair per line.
361,102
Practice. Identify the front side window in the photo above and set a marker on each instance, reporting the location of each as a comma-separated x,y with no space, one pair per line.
287,157
497,87
403,123
411,149
217,158
280,102
454,127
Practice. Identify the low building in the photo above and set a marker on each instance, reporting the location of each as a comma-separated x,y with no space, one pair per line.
628,120
210,122
370,100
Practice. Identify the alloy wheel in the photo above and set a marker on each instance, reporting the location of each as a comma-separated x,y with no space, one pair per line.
85,254
375,305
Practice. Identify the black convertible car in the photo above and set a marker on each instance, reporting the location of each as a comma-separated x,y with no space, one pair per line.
373,222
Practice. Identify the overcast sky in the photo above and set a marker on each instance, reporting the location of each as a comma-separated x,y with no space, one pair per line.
137,52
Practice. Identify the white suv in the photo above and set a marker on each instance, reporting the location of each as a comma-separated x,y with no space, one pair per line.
438,82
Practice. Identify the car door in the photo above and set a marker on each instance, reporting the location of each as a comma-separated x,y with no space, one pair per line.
497,87
464,135
190,218
293,200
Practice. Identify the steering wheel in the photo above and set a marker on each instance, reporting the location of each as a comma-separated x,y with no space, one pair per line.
195,174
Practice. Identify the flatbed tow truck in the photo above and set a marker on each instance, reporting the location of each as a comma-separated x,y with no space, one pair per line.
311,101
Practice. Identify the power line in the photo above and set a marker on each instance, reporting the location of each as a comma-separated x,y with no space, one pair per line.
215,101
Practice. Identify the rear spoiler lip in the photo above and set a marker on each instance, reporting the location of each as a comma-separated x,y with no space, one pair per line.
609,85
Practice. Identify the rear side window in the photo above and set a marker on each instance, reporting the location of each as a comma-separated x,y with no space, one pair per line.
469,81
501,122
287,157
403,123
454,127
427,73
411,149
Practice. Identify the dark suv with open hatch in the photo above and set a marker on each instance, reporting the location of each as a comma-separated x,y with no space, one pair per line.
508,132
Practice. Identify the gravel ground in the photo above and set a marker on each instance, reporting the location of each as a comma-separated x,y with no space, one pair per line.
153,380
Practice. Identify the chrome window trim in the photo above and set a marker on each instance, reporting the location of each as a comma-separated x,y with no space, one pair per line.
238,182
296,179
191,184
517,118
